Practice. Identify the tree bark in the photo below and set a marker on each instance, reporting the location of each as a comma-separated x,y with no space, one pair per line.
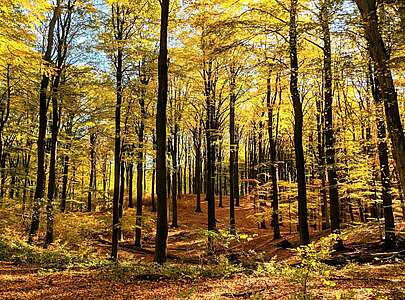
298,116
161,224
92,170
380,56
174,176
329,135
116,226
198,167
273,166
389,222
52,163
41,176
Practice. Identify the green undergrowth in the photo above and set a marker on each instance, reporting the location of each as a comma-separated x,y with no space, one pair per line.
57,257
14,248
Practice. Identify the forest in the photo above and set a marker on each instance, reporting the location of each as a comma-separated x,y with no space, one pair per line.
202,149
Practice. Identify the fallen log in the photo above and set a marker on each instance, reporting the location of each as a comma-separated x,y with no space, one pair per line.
247,293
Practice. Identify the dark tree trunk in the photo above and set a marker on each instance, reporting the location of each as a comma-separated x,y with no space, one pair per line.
321,165
5,113
198,169
116,226
52,163
273,166
232,154
174,176
210,161
130,184
329,136
190,173
153,175
40,180
64,183
380,56
298,116
161,224
92,170
236,174
122,187
140,171
219,182
139,196
384,165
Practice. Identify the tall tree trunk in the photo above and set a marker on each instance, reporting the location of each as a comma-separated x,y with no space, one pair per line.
219,182
153,209
40,180
116,226
389,222
232,154
210,161
52,163
273,166
130,184
380,56
298,116
122,187
236,173
5,113
64,182
92,170
139,173
321,165
190,173
329,135
174,176
161,224
198,169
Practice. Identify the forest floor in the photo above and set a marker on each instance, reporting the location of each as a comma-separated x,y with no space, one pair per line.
252,266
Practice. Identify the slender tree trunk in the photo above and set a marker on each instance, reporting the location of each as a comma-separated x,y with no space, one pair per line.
5,113
190,173
116,226
232,154
153,209
139,191
321,166
236,173
174,176
92,170
140,166
198,169
161,224
273,166
298,116
64,183
329,136
122,188
219,184
130,184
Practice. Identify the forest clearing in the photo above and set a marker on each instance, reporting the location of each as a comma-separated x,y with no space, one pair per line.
202,149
